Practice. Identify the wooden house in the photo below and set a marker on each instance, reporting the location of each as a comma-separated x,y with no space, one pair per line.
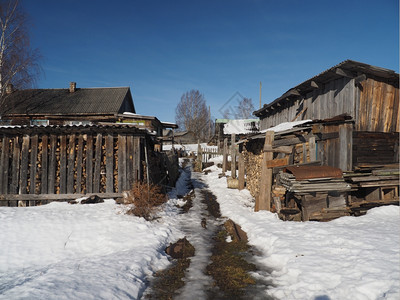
71,106
185,137
353,127
60,144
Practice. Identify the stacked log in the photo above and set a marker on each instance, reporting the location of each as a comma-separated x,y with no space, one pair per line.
253,162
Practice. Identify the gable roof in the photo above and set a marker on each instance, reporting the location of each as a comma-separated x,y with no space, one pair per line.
347,68
84,101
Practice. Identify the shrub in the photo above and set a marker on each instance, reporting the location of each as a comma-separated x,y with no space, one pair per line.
146,199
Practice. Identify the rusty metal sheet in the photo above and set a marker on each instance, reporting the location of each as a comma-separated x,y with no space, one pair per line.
311,172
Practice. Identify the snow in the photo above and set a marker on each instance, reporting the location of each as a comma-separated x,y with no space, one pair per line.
95,251
347,258
239,126
286,126
188,147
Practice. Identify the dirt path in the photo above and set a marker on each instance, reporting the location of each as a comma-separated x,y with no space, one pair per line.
221,265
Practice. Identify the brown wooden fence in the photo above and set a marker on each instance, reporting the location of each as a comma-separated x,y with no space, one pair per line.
38,163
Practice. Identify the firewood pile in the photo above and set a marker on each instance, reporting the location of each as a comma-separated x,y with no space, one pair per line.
253,164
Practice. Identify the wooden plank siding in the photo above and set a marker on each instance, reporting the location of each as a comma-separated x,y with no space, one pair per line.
373,105
57,162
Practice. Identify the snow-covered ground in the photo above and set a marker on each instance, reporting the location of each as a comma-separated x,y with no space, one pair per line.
347,258
95,251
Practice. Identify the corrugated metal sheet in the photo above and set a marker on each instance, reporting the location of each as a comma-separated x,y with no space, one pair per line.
312,172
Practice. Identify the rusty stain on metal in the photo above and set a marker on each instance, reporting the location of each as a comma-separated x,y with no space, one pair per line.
310,172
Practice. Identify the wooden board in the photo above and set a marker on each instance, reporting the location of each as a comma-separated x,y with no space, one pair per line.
279,162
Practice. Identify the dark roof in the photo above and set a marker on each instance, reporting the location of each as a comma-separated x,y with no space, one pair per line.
84,101
347,68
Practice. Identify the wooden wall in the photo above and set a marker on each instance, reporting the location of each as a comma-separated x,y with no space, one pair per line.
375,148
378,107
59,162
334,98
374,105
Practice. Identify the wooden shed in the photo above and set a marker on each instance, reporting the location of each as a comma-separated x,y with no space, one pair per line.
369,94
353,113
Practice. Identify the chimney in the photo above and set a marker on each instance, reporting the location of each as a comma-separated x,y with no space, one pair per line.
9,88
72,87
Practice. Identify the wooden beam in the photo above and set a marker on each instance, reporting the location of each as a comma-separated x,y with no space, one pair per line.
280,149
344,73
54,197
263,202
314,84
360,78
279,162
241,171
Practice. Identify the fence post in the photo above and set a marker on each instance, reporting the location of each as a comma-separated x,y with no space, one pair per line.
241,171
233,156
264,198
225,156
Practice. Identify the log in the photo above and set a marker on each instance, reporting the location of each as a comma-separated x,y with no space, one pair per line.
264,199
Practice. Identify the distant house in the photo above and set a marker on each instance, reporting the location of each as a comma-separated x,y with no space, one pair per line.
225,127
153,124
185,137
73,106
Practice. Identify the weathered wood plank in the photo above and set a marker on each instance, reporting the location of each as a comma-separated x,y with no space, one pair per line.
52,164
97,163
264,198
225,156
129,162
109,163
79,164
121,162
5,154
312,148
89,164
44,164
136,159
55,197
241,171
63,164
233,155
278,162
23,183
71,164
33,165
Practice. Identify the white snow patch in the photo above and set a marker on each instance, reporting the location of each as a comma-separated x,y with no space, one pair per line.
347,258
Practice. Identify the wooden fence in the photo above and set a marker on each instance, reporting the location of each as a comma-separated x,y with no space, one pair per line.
38,163
209,153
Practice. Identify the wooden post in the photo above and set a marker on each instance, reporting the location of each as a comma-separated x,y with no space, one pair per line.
71,165
346,146
4,164
109,163
97,163
312,146
264,198
63,164
44,167
225,156
52,165
233,155
24,165
199,158
79,164
241,171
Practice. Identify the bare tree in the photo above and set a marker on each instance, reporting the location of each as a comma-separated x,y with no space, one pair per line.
192,114
18,62
245,109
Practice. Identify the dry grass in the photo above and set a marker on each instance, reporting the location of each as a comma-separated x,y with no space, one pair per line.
146,199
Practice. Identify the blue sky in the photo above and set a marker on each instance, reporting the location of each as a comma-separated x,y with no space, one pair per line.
161,49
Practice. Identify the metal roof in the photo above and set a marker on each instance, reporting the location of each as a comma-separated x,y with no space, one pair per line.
84,101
